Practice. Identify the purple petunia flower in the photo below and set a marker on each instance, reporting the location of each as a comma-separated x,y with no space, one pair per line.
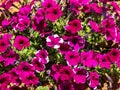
55,73
88,60
54,13
80,75
54,41
114,55
65,85
64,48
94,79
66,73
37,64
39,22
29,79
42,55
74,26
4,44
49,3
104,61
23,68
76,42
4,80
10,57
21,42
73,58
5,23
23,23
24,11
94,26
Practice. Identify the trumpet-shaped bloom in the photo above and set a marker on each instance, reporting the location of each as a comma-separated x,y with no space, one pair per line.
21,42
74,26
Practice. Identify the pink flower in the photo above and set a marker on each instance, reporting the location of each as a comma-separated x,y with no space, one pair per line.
4,44
104,61
94,79
23,23
10,57
54,13
114,55
21,42
80,75
39,66
49,3
74,26
72,57
5,23
94,26
29,79
54,41
66,73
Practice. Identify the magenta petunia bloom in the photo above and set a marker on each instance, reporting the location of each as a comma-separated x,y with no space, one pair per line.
29,79
73,58
104,61
74,26
55,73
37,64
10,57
66,73
87,59
94,79
5,23
114,55
4,80
94,26
76,42
54,13
54,41
24,11
65,85
4,44
64,48
23,68
14,77
49,3
42,55
80,75
21,42
39,22
23,23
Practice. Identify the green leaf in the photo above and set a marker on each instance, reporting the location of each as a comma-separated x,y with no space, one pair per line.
42,88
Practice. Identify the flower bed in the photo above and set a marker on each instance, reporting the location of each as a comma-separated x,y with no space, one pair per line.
59,45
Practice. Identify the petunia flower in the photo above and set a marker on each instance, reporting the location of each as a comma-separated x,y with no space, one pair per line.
29,79
54,41
54,13
94,79
104,61
10,57
4,44
21,42
48,4
114,55
80,75
66,73
37,64
74,26
23,23
72,57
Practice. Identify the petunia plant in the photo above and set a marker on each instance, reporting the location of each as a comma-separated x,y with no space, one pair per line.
59,45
